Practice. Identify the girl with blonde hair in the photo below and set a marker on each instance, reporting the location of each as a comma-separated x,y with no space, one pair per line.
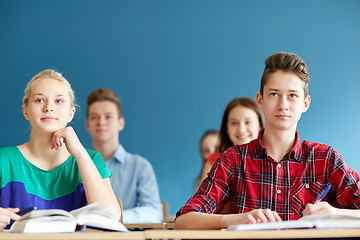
53,169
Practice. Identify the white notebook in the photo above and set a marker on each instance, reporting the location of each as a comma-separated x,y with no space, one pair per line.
311,221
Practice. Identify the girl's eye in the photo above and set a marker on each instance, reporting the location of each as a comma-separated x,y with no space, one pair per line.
93,118
293,96
59,101
234,123
39,100
108,117
273,94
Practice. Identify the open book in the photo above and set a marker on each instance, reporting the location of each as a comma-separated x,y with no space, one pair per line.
59,221
310,221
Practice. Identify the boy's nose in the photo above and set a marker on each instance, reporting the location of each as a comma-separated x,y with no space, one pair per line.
283,104
101,120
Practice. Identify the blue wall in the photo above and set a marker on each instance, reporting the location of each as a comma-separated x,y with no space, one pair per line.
176,64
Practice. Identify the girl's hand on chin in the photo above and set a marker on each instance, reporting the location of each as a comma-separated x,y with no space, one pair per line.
68,137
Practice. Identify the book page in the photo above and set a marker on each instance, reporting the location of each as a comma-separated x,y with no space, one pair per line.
47,212
93,209
57,220
53,224
98,221
311,221
333,221
295,224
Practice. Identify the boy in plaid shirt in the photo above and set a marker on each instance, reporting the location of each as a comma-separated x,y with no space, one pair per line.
278,176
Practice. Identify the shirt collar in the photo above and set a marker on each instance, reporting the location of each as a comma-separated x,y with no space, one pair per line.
295,151
119,154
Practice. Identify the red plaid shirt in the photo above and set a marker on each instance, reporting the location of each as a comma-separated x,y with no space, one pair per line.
250,179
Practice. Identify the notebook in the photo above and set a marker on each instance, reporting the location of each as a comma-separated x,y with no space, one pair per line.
312,221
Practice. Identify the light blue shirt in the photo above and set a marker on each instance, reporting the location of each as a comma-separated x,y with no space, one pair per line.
134,183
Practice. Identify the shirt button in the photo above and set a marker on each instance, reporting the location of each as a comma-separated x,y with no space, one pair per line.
307,186
279,165
278,191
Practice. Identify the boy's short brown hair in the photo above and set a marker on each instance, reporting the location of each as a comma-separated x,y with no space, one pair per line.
287,62
103,95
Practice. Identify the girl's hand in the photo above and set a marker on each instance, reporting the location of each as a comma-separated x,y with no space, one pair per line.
319,208
68,136
7,214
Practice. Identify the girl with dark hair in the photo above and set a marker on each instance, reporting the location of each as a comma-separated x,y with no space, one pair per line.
241,123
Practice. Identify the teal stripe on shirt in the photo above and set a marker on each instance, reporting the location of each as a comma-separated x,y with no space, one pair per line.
45,184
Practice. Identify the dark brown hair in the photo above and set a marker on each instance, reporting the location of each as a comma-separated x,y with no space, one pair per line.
287,62
247,102
103,95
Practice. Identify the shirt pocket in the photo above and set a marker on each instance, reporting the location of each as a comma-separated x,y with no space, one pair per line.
304,193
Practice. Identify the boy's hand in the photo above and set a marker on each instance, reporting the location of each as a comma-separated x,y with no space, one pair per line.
262,216
318,208
7,214
257,216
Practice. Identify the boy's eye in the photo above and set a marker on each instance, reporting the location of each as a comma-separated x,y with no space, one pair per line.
273,94
59,101
93,118
39,100
108,117
293,95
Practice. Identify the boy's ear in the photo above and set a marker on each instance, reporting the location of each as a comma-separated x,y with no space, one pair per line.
306,103
121,124
259,100
25,113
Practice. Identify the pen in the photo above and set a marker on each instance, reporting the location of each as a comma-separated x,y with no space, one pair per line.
323,194
26,210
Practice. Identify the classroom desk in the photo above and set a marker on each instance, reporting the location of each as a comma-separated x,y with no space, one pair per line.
98,235
162,225
192,234
261,234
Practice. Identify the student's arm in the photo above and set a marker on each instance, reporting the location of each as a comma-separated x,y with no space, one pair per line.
205,221
205,171
96,188
344,195
201,211
208,163
148,205
7,214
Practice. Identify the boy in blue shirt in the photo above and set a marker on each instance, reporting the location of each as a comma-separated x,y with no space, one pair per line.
133,179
